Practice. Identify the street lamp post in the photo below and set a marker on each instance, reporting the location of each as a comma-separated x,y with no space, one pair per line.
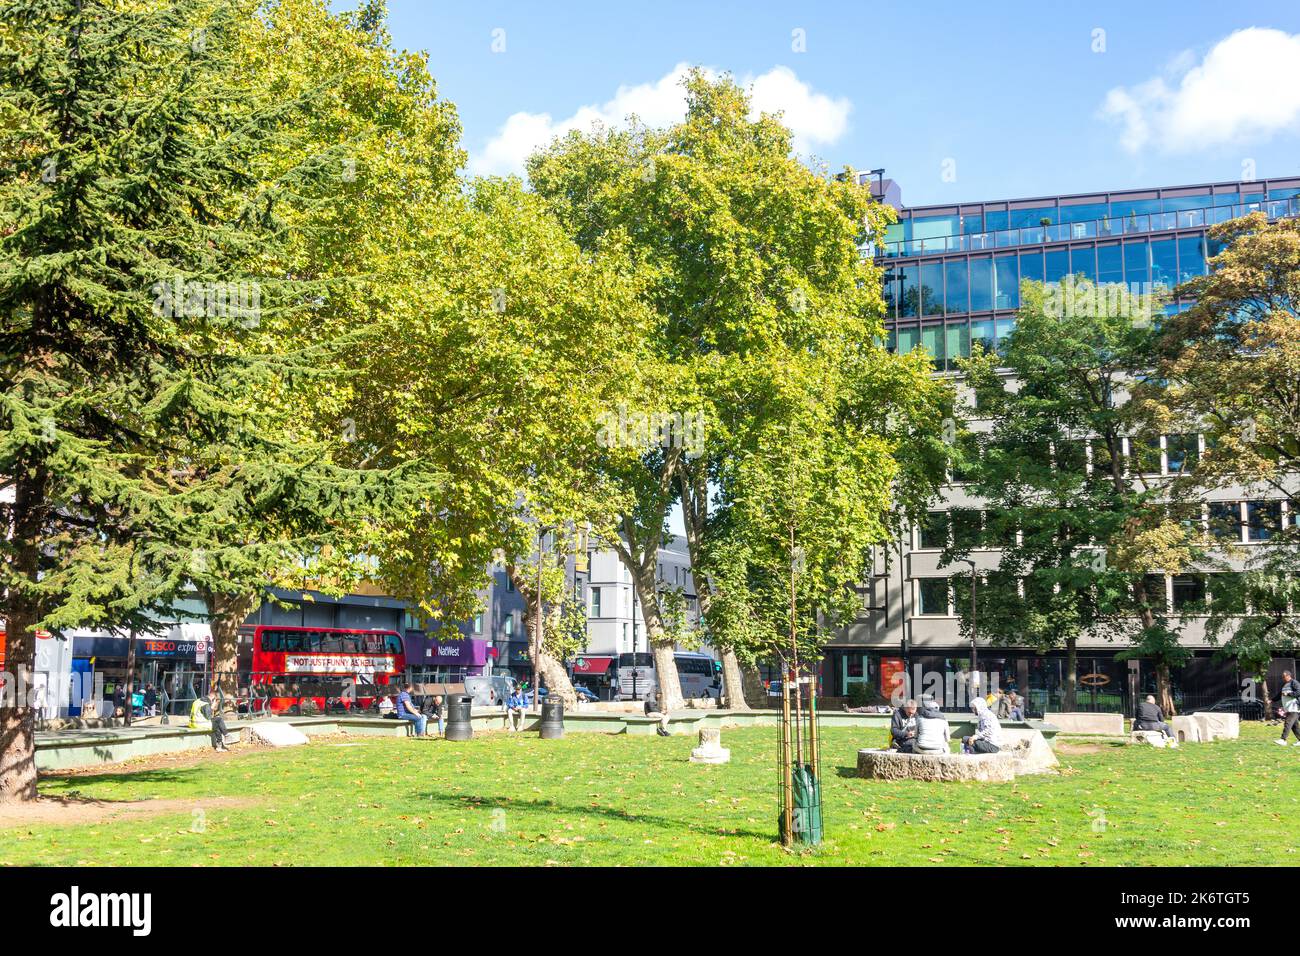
974,661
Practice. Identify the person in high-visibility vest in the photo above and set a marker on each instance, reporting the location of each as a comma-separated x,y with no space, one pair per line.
206,715
198,719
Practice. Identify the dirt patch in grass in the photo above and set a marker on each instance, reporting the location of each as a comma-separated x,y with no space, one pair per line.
179,759
75,810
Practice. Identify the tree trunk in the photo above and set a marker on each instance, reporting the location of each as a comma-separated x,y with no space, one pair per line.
228,614
1071,700
733,682
17,719
695,515
1164,693
661,643
550,668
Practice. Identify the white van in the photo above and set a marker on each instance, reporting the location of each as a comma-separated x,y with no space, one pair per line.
490,691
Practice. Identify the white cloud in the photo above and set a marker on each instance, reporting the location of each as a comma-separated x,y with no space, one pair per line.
1246,88
814,118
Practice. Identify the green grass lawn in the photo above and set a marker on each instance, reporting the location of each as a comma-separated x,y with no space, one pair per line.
595,799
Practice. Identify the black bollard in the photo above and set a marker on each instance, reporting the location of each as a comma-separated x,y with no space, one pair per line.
552,726
458,719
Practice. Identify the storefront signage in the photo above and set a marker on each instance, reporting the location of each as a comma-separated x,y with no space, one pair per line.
891,674
433,651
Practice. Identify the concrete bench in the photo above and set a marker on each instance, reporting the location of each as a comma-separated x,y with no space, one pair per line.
1106,725
1218,726
892,765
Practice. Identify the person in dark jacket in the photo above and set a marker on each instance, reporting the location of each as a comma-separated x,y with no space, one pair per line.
1289,695
902,728
1151,717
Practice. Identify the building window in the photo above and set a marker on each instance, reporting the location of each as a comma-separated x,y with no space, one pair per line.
933,532
478,623
510,625
965,524
1189,592
1263,519
1181,453
932,596
595,602
1225,520
1144,454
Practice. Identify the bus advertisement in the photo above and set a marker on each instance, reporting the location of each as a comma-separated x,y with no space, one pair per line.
293,662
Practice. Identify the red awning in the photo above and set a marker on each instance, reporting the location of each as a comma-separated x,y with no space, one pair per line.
592,665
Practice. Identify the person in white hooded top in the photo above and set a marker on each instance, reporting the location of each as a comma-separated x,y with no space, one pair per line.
987,738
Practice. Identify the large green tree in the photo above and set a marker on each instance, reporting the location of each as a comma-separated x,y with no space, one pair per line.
143,193
1078,524
760,296
1229,367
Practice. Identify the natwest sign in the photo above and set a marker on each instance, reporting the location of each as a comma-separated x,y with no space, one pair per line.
433,650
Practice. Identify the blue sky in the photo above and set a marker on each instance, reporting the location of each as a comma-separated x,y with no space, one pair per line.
957,101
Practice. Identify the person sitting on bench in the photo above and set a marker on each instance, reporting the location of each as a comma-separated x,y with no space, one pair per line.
932,730
902,728
987,738
1151,717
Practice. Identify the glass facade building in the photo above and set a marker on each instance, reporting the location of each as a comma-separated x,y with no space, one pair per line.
952,277
952,273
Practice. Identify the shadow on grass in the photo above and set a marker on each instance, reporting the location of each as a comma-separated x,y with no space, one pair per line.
52,784
626,816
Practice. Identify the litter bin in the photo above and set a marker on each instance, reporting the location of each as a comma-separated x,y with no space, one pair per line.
552,727
458,722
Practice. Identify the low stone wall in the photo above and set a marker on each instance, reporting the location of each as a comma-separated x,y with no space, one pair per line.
892,765
1107,725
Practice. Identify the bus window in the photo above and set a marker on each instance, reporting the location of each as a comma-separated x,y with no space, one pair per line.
392,644
350,643
326,642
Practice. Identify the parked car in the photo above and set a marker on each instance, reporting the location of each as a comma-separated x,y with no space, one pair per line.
528,696
1245,709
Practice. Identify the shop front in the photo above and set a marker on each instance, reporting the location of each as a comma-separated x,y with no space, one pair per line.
444,658
1103,685
166,659
596,673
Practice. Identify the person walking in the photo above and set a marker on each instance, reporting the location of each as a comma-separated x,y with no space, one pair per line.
150,701
406,710
1289,694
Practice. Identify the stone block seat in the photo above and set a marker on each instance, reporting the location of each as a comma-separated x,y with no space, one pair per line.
1028,753
1154,738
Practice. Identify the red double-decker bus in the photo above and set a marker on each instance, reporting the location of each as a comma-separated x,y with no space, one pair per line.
293,663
